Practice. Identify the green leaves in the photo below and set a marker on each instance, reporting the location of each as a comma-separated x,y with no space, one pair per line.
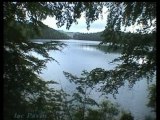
91,101
97,74
152,97
126,116
21,68
77,97
80,90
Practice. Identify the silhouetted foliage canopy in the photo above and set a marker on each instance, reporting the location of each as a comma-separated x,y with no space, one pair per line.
24,90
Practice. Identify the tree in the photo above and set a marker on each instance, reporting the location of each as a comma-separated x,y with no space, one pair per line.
152,97
126,116
135,48
108,110
105,111
81,96
22,21
83,102
22,85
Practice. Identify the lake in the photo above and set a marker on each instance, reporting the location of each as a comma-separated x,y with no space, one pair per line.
80,55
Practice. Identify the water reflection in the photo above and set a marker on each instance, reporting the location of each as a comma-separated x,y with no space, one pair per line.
84,55
88,48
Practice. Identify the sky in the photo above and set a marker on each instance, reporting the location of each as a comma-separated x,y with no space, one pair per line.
96,26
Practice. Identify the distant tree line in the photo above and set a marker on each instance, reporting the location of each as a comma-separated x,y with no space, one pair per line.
88,36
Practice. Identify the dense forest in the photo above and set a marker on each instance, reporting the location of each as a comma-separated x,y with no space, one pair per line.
88,36
50,33
70,34
97,36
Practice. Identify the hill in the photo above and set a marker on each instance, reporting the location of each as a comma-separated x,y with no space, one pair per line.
50,33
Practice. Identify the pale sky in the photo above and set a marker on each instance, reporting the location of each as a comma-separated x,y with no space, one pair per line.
96,26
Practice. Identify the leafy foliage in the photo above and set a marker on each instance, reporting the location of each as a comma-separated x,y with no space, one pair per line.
84,87
82,93
131,13
69,12
138,50
24,90
105,111
152,97
149,118
93,114
126,116
109,110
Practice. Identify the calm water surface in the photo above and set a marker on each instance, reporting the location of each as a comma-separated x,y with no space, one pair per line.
78,56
